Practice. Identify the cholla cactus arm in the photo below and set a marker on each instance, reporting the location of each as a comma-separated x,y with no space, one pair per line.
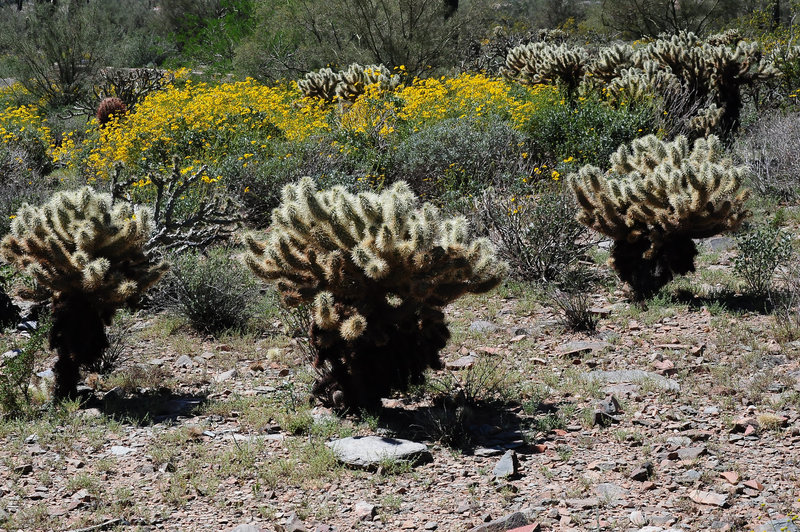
213,219
609,63
87,254
371,266
656,197
320,84
354,81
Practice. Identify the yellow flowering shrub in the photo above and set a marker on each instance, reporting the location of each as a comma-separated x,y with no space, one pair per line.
201,123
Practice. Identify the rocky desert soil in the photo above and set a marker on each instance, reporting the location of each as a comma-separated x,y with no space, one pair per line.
681,416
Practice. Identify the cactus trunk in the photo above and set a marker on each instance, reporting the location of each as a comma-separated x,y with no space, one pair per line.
78,335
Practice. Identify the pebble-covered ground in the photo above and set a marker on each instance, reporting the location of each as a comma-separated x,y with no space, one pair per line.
683,416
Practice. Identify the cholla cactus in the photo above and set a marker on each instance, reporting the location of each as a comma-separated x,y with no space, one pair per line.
542,62
639,84
86,254
654,200
377,270
610,63
354,81
713,69
320,84
110,107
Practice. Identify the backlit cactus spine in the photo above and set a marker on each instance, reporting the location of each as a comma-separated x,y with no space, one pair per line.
320,84
656,197
87,255
377,270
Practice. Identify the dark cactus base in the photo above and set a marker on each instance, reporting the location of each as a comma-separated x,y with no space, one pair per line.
647,276
79,337
392,355
9,312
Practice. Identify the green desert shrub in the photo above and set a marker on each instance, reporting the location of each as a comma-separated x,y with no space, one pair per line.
589,132
761,250
377,271
213,291
456,157
536,234
17,371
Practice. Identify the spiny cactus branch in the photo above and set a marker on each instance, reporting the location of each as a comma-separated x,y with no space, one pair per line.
214,219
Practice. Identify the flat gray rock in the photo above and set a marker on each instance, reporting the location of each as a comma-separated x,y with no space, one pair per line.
507,467
120,450
247,528
610,492
370,451
577,348
184,361
482,326
633,376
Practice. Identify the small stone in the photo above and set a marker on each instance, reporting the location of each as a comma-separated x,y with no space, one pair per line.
226,376
247,528
730,476
610,405
511,521
610,492
583,504
25,469
643,472
364,510
602,419
46,375
638,518
691,453
709,498
294,524
753,484
507,467
120,450
184,361
431,525
482,326
464,362
485,452
690,477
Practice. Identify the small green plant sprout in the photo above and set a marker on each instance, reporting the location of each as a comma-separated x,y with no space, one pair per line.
376,270
656,197
761,251
86,254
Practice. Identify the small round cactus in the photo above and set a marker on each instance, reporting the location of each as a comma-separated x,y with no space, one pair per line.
110,107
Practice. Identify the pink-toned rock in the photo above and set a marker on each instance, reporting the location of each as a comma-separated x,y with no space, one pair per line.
730,476
753,484
708,497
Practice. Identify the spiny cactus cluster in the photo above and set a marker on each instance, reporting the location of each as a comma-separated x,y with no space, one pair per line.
85,254
542,62
110,107
710,71
377,270
656,197
347,84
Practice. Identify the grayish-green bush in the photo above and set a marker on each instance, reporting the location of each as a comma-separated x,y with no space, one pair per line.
538,235
214,292
762,250
456,157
